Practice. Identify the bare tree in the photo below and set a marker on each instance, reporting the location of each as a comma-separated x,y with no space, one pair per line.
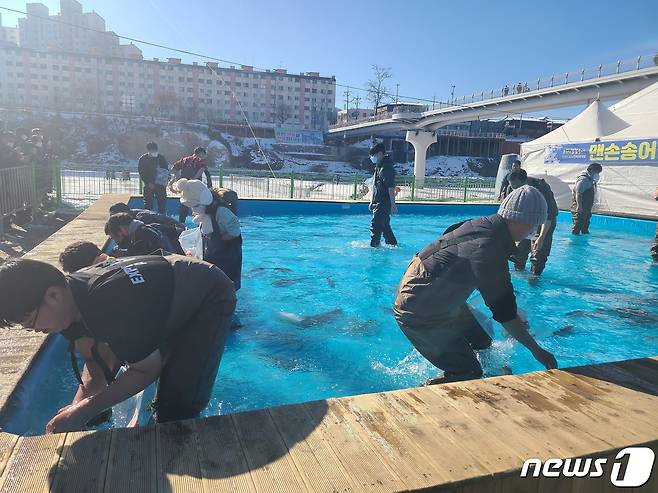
377,90
282,113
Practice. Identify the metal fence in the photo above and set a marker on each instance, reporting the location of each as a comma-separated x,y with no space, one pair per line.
82,186
17,189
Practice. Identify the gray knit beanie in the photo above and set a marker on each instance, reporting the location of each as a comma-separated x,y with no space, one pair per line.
525,205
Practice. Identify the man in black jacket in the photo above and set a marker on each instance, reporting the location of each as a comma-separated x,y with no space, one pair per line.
133,237
430,306
540,245
382,204
163,223
154,172
168,318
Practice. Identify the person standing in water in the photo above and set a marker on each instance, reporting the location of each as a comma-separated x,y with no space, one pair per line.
583,198
382,204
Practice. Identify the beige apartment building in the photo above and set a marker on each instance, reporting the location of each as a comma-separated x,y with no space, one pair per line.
69,69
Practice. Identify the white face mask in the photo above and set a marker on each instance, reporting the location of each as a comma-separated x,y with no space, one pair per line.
199,209
596,176
374,160
153,154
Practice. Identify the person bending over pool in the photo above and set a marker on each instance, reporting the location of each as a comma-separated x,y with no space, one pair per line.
165,317
133,237
430,306
162,222
81,254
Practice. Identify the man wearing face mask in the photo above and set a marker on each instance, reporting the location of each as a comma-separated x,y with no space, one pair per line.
382,204
154,172
583,198
136,238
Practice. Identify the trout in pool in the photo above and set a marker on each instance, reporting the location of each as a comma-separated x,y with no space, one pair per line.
310,320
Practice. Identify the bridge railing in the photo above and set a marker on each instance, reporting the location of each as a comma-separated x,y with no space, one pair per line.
82,186
530,86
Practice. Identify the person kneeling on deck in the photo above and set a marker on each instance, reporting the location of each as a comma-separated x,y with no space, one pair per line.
382,204
133,237
430,306
214,211
165,317
162,222
540,245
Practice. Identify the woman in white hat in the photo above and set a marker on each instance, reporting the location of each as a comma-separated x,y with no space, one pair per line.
214,212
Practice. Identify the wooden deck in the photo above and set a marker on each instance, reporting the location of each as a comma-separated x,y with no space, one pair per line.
462,437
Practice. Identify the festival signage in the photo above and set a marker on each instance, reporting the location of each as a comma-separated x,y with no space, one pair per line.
612,152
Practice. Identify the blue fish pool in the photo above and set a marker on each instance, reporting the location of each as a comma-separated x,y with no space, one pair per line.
315,318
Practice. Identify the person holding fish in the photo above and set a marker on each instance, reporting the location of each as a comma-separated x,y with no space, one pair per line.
430,306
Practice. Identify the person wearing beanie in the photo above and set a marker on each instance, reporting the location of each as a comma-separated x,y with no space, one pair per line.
382,204
430,306
539,248
213,210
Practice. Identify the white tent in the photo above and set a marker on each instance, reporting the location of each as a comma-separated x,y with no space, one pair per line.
624,141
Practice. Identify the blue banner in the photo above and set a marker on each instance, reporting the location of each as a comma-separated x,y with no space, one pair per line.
612,152
289,135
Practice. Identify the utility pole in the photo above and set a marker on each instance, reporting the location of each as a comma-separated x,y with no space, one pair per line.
397,90
433,101
347,102
452,95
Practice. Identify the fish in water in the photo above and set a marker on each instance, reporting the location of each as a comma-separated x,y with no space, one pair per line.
564,331
331,282
310,320
282,269
279,283
506,370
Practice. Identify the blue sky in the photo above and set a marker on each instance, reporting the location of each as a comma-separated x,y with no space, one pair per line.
429,45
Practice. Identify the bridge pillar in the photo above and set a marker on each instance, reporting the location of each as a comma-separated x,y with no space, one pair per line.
421,140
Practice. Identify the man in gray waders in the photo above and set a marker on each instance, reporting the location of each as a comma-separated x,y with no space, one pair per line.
430,306
583,198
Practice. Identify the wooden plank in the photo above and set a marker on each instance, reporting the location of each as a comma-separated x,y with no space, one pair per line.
395,448
313,457
178,461
33,464
223,464
132,461
532,411
83,463
271,467
604,402
359,460
7,444
443,429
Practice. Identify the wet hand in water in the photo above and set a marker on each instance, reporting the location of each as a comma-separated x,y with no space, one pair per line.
545,358
70,418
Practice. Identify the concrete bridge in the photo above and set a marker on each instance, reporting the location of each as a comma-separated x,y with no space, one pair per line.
605,82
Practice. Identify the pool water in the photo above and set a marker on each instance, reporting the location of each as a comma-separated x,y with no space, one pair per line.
315,310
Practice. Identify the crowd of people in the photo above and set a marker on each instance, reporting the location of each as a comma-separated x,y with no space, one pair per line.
149,308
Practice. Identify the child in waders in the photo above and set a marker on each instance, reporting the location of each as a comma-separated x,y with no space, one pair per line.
215,212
